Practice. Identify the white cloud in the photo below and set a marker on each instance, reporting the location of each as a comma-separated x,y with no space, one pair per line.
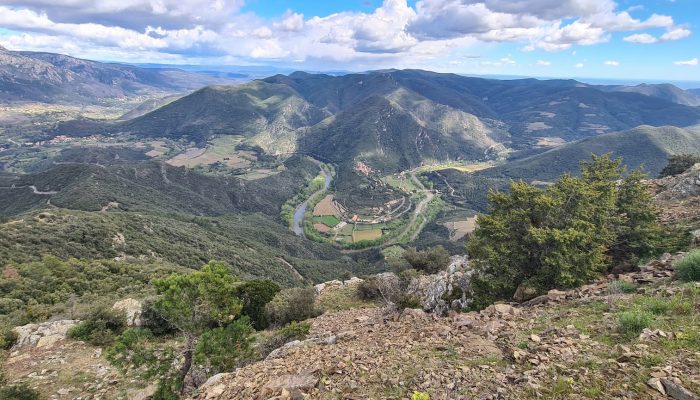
671,35
676,34
612,63
691,63
394,34
544,63
579,65
505,61
643,38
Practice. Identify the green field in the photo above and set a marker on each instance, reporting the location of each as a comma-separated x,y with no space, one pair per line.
328,220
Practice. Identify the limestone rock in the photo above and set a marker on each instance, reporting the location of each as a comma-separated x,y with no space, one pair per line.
46,334
676,391
132,309
446,290
302,381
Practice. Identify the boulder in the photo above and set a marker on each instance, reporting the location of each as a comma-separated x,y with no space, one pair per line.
524,293
45,334
303,381
132,309
676,391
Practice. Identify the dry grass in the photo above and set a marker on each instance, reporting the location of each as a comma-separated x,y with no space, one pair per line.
372,234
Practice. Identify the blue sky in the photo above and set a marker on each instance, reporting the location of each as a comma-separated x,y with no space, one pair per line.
619,39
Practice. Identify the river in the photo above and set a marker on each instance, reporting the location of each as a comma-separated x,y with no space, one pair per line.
297,226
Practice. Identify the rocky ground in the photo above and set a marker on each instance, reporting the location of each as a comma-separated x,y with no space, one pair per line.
60,368
561,345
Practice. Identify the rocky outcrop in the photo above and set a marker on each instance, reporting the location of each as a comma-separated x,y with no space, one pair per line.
446,290
336,284
132,309
46,334
679,187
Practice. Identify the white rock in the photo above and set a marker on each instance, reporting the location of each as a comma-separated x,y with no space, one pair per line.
132,309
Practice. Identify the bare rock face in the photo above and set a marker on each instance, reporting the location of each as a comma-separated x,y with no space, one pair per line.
446,290
132,308
681,186
46,334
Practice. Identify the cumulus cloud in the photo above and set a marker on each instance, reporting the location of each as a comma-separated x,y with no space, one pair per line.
544,63
612,63
671,35
690,63
393,32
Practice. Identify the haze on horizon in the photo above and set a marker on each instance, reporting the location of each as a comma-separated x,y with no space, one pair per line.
624,39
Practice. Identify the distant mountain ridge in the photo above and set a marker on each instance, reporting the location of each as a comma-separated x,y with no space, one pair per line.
57,78
398,119
663,91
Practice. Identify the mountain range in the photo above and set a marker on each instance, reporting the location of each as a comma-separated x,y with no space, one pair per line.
394,120
56,78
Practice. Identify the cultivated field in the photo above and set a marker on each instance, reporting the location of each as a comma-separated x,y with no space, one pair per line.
369,234
325,207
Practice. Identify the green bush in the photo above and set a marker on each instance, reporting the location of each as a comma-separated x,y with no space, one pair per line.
431,260
622,287
152,319
292,331
8,338
255,295
688,269
99,327
420,396
678,164
18,392
369,289
223,349
295,330
632,323
295,304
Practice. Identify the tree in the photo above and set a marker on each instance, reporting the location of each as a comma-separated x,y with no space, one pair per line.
678,164
255,295
203,307
562,236
639,235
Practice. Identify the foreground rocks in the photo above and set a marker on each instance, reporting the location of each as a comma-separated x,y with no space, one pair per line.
557,345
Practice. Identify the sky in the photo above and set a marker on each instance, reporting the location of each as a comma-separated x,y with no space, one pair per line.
618,39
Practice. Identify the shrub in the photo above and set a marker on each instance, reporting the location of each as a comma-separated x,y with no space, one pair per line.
224,348
622,287
295,330
688,269
292,331
255,295
420,396
678,164
369,289
18,392
431,260
8,338
99,327
632,323
295,304
152,319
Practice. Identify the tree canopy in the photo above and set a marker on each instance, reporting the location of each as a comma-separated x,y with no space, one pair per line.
564,235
